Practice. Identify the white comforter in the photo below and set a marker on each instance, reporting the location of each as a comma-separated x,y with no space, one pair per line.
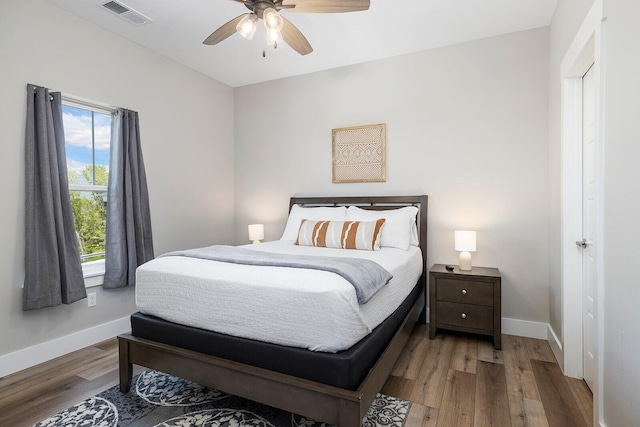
312,309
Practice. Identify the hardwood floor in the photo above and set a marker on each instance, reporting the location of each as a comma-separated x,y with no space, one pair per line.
455,380
460,380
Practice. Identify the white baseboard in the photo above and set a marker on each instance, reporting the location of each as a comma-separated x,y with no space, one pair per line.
31,356
524,328
556,347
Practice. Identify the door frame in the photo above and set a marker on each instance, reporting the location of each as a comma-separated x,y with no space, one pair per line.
585,50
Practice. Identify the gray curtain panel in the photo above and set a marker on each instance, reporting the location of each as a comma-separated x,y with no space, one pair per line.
128,241
52,260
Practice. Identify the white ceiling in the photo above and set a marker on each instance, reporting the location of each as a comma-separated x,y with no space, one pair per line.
389,28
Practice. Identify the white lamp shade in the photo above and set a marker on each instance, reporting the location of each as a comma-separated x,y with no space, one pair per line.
256,232
247,25
465,241
274,37
272,19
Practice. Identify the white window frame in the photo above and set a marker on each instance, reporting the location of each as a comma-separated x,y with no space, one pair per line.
93,271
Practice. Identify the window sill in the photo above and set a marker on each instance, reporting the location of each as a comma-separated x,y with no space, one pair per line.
93,273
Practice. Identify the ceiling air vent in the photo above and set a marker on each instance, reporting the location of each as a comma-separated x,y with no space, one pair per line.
125,12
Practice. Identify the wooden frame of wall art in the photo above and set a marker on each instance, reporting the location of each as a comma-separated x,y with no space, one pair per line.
359,154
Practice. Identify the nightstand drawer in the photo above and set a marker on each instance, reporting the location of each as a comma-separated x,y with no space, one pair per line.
465,315
465,291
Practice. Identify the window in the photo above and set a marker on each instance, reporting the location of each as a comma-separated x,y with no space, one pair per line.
87,131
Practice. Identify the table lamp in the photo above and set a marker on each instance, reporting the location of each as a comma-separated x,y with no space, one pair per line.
256,233
465,242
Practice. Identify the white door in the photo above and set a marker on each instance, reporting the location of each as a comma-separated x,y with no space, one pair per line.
589,225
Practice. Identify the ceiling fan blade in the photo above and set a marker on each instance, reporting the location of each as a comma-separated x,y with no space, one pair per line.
223,32
294,38
325,6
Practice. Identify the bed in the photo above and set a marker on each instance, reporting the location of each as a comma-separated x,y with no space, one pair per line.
336,385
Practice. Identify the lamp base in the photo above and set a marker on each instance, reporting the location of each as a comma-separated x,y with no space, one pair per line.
465,261
255,242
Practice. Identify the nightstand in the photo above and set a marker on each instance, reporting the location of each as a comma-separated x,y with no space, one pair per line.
466,301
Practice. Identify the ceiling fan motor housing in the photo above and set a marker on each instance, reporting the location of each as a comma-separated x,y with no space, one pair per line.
259,6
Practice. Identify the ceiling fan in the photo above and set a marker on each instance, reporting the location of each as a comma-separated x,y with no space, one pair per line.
278,28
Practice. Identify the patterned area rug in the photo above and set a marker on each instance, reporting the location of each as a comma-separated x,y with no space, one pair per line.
158,399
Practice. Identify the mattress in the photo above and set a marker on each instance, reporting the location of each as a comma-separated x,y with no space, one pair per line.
345,369
309,309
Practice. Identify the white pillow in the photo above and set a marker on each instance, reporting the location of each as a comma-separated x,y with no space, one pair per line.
399,230
298,213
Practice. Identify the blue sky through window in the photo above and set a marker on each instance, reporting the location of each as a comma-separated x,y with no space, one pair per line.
79,139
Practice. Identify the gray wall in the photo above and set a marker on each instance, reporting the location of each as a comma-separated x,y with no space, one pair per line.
466,124
187,139
622,204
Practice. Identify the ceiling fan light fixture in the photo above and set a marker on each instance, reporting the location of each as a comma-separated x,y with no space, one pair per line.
272,19
274,37
247,25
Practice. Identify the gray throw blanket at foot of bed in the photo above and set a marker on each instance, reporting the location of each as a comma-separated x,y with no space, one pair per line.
366,276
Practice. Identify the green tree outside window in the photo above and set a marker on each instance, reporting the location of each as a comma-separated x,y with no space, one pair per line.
90,212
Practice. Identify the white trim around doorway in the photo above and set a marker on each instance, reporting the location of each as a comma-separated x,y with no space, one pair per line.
585,50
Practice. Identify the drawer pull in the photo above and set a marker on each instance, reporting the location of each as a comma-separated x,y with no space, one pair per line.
464,315
464,292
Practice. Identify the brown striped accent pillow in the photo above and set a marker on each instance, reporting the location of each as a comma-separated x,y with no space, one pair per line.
341,234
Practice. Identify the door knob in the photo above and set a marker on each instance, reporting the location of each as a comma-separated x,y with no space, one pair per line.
582,243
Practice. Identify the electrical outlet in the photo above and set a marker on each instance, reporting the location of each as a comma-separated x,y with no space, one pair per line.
91,299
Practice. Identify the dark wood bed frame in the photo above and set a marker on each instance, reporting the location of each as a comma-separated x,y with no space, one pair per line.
345,408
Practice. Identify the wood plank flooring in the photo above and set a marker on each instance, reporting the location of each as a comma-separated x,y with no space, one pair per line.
460,380
455,380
